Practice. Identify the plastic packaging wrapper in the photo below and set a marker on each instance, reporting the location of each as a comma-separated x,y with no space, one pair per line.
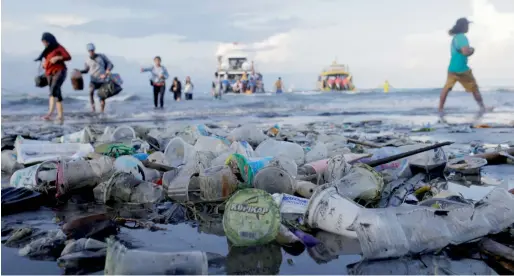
337,168
395,232
29,153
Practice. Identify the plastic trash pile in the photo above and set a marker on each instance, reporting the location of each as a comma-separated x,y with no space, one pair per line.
306,188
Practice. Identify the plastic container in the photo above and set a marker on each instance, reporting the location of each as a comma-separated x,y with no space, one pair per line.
290,204
337,168
178,152
362,182
305,188
177,187
157,157
332,246
217,183
329,211
190,134
211,144
466,165
272,147
250,133
76,174
35,175
246,167
274,180
285,163
125,188
251,218
34,152
243,148
9,163
83,136
123,133
318,152
123,261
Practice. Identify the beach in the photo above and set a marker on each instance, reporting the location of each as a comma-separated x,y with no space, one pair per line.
400,111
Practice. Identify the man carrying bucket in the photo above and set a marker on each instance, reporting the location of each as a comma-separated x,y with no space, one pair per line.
98,66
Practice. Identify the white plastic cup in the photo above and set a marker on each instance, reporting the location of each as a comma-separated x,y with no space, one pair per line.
83,136
178,152
178,186
211,144
243,148
34,175
272,147
330,211
274,180
123,133
123,261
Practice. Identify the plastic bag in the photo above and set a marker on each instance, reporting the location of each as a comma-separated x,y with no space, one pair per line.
318,152
250,133
272,147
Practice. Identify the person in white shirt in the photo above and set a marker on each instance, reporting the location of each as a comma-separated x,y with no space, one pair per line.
188,89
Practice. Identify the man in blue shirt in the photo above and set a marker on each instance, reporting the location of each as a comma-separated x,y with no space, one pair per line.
458,70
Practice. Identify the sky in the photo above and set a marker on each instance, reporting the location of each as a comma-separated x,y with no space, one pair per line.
403,41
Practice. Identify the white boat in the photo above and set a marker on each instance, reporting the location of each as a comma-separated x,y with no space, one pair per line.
236,73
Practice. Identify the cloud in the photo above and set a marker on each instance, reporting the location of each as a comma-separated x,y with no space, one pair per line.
398,40
63,20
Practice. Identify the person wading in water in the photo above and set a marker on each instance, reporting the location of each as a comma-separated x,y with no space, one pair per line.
99,67
458,70
158,81
55,71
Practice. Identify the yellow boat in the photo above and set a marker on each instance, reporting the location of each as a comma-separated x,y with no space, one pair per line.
336,77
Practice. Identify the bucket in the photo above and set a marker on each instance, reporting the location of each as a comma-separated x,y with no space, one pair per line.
332,246
251,218
77,82
123,133
337,168
243,148
77,174
362,182
83,136
178,152
246,167
35,175
274,180
290,204
285,163
217,183
212,144
123,261
329,211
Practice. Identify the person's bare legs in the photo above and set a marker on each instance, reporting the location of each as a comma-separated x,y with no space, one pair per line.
60,111
102,106
479,100
442,99
51,108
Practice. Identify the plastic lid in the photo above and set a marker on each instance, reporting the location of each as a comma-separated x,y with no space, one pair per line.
251,218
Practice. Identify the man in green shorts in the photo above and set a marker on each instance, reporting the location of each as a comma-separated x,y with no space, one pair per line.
458,71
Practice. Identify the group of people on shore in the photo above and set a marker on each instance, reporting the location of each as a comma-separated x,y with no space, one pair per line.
99,67
54,56
159,75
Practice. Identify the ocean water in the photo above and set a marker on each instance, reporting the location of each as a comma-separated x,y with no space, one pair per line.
410,106
403,109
